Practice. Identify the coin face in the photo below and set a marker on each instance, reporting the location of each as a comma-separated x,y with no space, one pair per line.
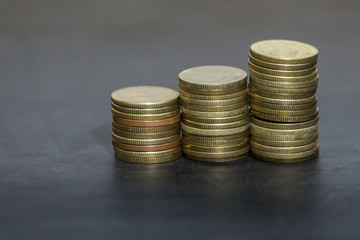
284,51
144,97
212,77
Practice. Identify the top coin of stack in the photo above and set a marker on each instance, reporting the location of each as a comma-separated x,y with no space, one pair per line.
215,118
146,124
283,100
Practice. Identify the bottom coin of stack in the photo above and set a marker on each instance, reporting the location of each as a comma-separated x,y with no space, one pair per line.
284,142
215,117
146,124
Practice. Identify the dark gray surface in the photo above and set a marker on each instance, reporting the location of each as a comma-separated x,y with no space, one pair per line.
60,61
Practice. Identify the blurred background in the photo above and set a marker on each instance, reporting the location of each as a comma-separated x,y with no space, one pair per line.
59,63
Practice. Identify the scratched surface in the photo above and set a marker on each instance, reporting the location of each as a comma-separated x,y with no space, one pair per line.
59,62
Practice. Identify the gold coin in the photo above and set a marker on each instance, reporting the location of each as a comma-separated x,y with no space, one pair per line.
154,141
216,143
145,135
285,107
130,129
296,149
148,160
284,131
189,137
145,110
237,94
287,73
254,84
283,143
222,149
284,112
295,85
186,100
235,118
216,125
159,116
216,160
217,154
213,77
214,114
283,78
223,108
285,157
283,126
283,101
214,132
162,153
145,97
147,148
147,123
284,51
281,66
287,137
281,95
200,91
278,118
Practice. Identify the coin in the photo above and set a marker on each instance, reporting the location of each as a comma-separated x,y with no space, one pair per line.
281,95
215,114
216,149
147,123
153,141
213,155
303,112
216,159
186,100
145,97
284,51
161,153
149,160
291,85
288,137
284,143
286,73
214,132
278,118
146,148
200,91
215,108
279,90
283,126
213,77
216,120
145,110
216,143
131,129
159,134
284,131
296,149
281,66
145,116
194,96
283,78
215,125
285,157
189,137
286,107
283,101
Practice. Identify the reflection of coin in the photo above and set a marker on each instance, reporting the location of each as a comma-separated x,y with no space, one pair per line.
147,123
146,148
144,97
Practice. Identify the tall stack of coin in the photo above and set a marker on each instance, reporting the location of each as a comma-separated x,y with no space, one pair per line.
146,124
283,101
215,113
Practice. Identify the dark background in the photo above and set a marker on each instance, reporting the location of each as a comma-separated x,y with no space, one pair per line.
59,63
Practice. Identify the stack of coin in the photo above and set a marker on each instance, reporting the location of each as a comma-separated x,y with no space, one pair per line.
283,100
215,113
146,124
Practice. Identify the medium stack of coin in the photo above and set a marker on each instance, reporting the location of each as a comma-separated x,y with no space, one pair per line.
215,113
146,124
283,101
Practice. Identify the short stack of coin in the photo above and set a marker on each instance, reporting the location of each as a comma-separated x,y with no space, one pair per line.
215,113
146,124
283,101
